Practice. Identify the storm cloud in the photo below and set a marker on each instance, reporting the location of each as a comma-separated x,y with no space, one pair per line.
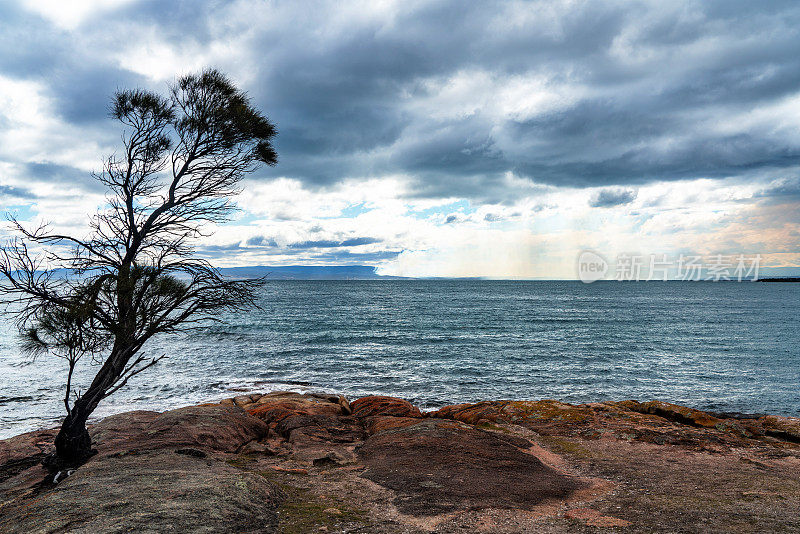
557,93
467,112
607,198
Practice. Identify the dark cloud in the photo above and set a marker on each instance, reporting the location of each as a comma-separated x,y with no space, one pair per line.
261,241
63,175
355,257
781,191
358,85
16,192
325,243
358,241
608,198
81,79
85,92
220,250
28,44
302,254
642,87
541,207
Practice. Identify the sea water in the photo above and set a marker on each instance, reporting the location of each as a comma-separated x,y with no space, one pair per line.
715,346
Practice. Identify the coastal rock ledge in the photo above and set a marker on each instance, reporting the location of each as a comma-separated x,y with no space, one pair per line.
296,463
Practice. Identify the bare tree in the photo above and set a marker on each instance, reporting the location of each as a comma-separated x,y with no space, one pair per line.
135,276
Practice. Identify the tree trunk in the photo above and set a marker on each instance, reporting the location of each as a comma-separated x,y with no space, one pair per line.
73,443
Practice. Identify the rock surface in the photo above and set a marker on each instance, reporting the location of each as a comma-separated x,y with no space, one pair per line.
288,462
222,428
151,491
381,405
655,422
24,451
274,407
439,466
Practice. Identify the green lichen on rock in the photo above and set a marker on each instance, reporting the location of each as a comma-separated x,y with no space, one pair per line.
301,511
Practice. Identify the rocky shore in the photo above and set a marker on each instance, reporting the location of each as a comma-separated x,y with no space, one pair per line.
292,463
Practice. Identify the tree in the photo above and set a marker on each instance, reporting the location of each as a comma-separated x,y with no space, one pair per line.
135,275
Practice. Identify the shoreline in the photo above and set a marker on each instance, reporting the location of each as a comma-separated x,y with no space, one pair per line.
430,407
290,462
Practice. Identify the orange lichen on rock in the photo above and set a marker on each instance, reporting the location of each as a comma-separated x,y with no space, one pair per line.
382,405
496,466
379,423
673,412
275,407
514,412
652,422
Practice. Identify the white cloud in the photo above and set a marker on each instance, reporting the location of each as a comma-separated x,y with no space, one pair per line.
71,14
509,99
32,131
666,218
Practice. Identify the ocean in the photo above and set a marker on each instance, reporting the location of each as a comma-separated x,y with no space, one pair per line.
714,346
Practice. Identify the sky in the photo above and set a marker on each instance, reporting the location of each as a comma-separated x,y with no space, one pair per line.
436,138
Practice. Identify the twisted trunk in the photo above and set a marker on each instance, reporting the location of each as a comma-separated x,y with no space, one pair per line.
73,442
